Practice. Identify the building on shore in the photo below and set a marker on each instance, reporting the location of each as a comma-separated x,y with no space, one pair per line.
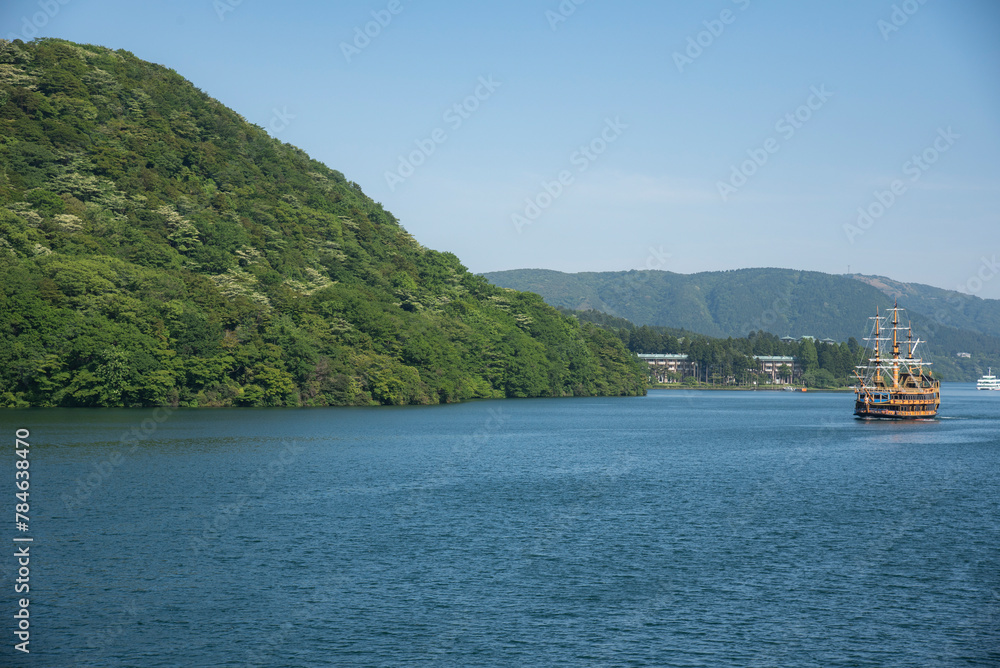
792,339
677,366
771,368
671,368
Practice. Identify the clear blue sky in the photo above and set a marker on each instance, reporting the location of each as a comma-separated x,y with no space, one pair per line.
894,80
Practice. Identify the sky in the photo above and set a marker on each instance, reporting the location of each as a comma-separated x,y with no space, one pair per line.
855,136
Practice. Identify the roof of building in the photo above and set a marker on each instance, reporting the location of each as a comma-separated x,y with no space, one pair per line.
660,356
773,358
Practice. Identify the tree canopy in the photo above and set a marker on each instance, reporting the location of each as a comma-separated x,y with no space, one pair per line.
155,248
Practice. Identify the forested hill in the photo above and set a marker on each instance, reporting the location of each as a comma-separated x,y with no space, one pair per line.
957,309
779,301
155,248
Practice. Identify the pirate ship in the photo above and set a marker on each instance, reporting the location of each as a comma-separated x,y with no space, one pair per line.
893,386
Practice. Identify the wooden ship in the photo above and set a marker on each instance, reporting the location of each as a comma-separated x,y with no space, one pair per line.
893,386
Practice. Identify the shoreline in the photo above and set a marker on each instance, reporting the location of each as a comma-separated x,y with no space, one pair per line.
678,386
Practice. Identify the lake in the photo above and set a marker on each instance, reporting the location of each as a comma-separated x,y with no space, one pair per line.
678,529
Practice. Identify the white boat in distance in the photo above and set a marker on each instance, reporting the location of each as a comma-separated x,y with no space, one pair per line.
988,382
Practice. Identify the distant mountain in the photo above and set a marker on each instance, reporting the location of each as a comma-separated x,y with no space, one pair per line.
155,248
780,301
955,308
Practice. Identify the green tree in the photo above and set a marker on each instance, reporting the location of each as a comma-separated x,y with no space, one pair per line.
808,356
785,372
819,378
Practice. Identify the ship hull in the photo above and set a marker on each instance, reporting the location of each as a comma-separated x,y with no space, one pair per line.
911,406
889,414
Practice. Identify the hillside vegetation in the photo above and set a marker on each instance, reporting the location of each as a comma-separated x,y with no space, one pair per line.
155,248
782,302
957,309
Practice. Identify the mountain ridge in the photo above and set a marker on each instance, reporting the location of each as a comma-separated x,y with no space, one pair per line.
780,301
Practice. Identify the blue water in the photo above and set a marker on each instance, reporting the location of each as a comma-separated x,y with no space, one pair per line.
677,529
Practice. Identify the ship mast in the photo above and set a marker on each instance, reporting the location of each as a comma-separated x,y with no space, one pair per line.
878,357
883,366
895,345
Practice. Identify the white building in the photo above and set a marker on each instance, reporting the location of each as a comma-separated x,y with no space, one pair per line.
661,364
770,366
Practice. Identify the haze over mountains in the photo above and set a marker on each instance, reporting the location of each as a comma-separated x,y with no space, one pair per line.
780,301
